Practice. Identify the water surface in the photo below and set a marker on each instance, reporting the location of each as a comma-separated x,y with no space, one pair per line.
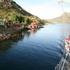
34,50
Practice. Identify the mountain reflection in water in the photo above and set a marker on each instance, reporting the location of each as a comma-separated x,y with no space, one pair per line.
34,50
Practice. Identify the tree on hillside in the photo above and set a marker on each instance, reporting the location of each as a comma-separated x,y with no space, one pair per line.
20,19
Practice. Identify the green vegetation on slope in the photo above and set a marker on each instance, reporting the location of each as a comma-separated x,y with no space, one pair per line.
14,12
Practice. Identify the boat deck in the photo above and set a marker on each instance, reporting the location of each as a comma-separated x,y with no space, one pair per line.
64,63
67,63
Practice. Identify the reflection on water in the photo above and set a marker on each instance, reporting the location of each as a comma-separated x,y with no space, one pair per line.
33,49
66,29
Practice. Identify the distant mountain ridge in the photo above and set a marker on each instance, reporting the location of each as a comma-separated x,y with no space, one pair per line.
64,18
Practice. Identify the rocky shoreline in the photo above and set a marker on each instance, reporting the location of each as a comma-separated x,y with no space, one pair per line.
12,33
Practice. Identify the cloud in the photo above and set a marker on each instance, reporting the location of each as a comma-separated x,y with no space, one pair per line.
45,11
66,1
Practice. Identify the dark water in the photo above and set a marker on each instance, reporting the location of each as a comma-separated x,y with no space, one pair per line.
34,50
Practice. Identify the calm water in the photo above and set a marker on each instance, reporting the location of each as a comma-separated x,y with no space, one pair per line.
34,50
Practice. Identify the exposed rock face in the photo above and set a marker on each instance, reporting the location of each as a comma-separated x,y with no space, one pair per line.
10,8
5,0
12,4
18,8
6,3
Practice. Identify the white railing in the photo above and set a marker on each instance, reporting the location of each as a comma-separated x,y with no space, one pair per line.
63,61
61,65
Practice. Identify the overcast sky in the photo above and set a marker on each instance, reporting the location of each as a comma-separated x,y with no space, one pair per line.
45,9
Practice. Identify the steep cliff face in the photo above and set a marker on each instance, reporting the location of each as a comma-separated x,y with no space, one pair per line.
5,3
19,9
9,8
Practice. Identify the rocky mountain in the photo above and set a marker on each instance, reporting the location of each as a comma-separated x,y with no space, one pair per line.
64,18
19,9
9,9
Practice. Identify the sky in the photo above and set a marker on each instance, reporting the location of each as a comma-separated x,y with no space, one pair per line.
45,9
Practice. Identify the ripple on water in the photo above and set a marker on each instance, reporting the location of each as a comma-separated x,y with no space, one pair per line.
41,50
